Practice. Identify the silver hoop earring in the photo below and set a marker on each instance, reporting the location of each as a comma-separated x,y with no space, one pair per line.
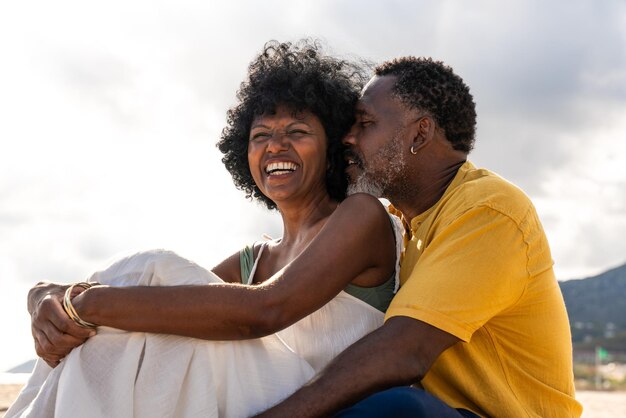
413,151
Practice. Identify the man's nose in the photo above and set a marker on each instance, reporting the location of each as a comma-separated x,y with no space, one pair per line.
350,137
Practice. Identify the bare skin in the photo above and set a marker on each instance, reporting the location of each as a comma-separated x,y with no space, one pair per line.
318,233
403,349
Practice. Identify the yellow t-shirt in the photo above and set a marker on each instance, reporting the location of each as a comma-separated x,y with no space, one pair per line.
478,266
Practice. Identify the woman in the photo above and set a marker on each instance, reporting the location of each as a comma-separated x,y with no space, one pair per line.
295,302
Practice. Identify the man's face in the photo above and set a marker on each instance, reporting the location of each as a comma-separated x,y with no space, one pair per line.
376,142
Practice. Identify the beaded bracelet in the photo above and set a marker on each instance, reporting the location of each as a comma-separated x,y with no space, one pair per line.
69,308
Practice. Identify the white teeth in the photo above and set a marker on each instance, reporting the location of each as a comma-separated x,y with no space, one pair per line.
280,167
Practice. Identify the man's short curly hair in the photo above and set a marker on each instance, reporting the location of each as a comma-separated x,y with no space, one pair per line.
302,78
433,87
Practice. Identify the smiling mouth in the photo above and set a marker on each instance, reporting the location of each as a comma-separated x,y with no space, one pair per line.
353,160
279,168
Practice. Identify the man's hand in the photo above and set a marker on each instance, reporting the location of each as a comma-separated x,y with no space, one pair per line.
55,334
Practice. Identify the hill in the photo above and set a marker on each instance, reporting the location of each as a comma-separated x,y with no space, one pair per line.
26,367
597,308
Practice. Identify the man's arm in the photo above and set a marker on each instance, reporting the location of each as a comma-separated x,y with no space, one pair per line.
398,353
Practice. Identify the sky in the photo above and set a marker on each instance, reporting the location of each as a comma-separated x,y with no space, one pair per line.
109,114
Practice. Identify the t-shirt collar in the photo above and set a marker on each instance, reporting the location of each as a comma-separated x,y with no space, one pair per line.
417,221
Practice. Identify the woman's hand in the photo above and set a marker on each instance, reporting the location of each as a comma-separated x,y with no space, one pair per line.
55,334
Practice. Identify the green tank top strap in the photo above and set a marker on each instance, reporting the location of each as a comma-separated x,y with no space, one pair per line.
246,261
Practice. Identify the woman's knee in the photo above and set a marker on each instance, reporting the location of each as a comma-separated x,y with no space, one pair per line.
154,268
135,270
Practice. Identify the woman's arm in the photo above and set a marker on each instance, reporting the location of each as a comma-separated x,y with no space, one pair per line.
55,334
356,240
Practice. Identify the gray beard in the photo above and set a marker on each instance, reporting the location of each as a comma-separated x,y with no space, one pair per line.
364,184
390,157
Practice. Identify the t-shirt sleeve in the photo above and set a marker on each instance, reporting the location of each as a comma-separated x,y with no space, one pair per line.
473,268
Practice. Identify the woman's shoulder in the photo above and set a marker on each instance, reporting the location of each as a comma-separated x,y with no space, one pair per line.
363,198
363,202
363,207
367,212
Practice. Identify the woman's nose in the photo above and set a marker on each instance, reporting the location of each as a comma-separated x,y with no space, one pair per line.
277,143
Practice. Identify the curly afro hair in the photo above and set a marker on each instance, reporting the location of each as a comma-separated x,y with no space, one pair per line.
432,86
302,78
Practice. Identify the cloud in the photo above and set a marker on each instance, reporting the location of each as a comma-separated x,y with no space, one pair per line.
530,76
531,79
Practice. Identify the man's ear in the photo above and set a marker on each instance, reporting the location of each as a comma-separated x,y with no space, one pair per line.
422,133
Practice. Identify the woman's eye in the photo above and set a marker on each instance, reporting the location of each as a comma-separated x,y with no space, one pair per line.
297,132
365,123
259,136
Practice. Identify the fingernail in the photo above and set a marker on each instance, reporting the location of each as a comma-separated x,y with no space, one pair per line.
92,333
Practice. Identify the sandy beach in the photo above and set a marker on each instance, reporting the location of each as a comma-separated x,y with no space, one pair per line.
596,404
8,393
602,404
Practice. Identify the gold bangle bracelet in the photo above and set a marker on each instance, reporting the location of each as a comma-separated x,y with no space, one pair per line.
69,308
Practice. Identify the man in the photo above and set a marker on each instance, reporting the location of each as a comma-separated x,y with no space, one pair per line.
479,322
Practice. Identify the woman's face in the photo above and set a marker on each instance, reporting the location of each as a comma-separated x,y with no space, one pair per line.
287,155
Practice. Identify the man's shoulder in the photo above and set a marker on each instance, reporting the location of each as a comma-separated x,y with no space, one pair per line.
482,188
